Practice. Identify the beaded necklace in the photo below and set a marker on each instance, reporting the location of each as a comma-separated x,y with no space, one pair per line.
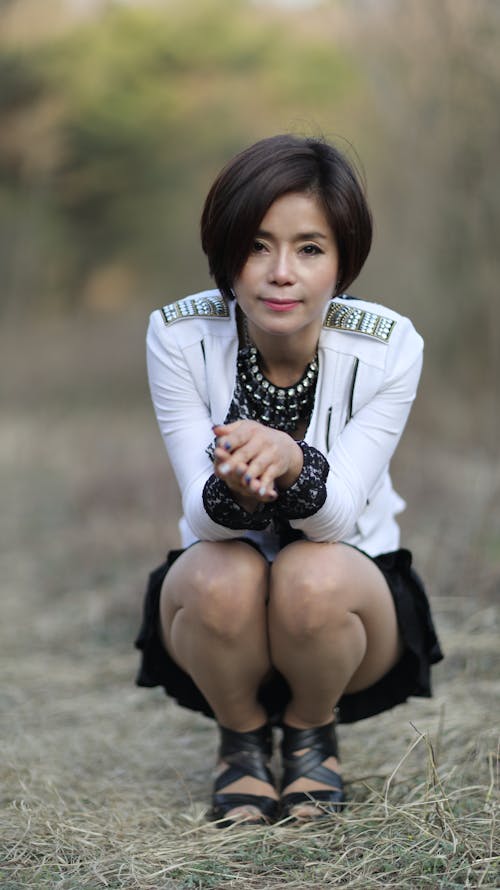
281,407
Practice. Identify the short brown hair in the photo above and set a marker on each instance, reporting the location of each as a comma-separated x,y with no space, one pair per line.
247,186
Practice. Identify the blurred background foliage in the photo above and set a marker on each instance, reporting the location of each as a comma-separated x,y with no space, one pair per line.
114,118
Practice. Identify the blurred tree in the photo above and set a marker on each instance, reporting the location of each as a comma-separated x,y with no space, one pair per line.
434,70
150,103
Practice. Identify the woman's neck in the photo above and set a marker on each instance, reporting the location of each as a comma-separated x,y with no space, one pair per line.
282,359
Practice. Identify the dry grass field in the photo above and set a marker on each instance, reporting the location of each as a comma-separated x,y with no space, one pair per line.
104,785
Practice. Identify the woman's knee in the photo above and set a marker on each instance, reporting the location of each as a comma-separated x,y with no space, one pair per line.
306,591
227,590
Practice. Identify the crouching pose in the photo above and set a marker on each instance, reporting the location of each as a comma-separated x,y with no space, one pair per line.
281,400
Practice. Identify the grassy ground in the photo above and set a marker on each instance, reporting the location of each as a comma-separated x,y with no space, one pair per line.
105,785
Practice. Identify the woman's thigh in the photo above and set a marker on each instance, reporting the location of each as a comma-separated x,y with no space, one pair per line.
334,579
216,584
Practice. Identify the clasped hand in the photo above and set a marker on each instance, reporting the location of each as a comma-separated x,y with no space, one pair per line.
254,460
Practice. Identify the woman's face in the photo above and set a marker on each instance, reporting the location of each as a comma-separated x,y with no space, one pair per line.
292,270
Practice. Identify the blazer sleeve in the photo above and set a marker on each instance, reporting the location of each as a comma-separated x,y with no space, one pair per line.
185,424
361,453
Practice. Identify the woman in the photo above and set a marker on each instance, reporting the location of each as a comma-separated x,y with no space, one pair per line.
281,401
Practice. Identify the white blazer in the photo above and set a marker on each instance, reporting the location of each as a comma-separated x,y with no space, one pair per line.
370,360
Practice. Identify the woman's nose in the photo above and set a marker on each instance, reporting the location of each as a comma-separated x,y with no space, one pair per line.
281,269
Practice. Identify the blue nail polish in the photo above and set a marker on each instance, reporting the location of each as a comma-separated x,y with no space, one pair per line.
227,446
248,479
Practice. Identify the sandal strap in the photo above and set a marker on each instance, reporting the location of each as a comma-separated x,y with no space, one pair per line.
321,737
326,801
223,803
246,754
259,740
320,743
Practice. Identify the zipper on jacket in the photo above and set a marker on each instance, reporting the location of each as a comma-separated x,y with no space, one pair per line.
351,394
327,430
202,347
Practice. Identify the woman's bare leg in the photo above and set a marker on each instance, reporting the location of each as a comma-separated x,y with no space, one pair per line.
214,624
332,628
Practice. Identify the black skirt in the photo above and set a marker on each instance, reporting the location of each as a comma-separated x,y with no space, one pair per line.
410,676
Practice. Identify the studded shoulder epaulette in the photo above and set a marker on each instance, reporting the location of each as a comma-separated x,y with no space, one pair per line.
358,321
193,307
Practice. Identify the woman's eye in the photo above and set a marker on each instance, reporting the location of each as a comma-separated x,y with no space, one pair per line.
311,249
258,247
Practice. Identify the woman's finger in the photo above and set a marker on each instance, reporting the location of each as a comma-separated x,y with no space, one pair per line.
265,459
238,454
241,481
232,436
268,478
255,489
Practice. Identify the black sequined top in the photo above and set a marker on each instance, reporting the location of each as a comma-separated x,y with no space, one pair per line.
302,499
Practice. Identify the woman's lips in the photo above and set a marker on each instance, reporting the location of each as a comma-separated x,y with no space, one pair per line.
280,305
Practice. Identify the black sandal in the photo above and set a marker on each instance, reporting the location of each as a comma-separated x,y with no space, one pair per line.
320,742
247,754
